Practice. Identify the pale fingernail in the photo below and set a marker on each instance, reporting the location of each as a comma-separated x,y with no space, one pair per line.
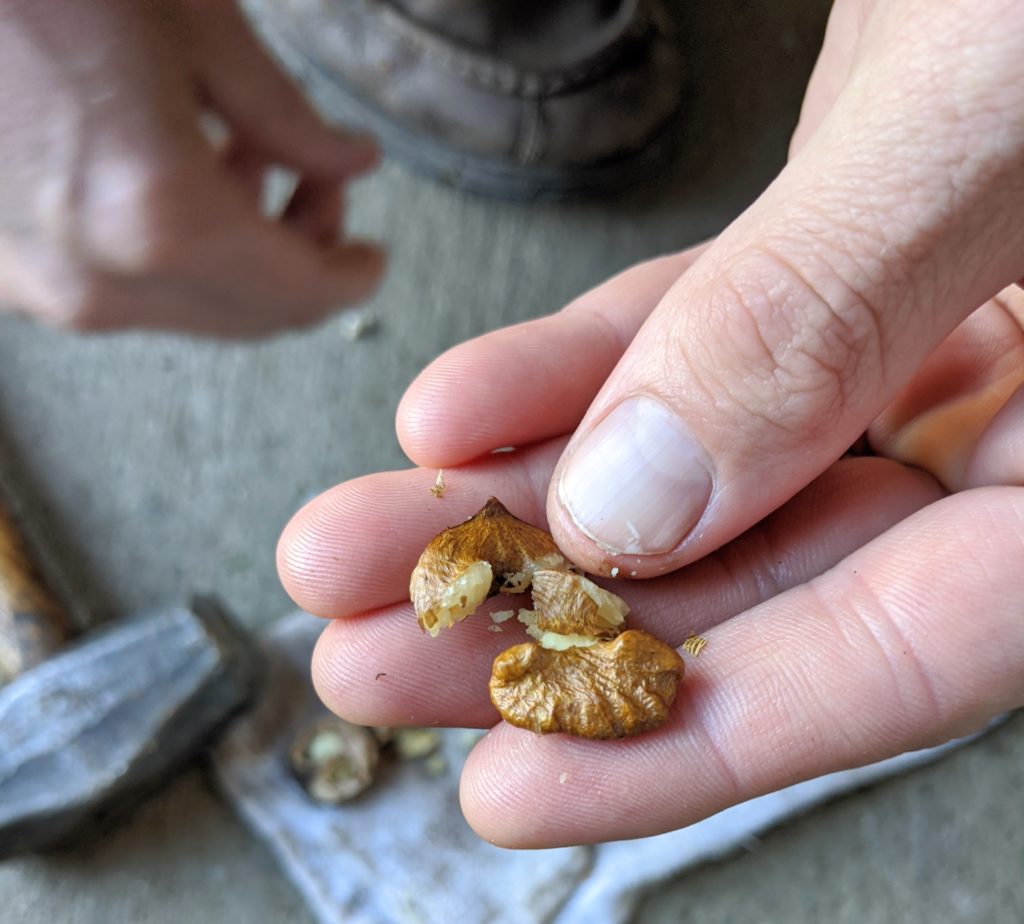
639,482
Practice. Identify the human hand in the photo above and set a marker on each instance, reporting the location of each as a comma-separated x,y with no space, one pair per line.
854,608
117,212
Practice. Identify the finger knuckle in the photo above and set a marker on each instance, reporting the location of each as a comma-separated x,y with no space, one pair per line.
131,221
802,343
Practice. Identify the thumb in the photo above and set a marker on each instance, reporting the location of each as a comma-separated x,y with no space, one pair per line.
777,348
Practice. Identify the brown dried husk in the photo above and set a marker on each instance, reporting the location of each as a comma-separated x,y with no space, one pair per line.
612,689
512,548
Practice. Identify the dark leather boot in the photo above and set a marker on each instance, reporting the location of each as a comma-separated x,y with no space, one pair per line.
513,98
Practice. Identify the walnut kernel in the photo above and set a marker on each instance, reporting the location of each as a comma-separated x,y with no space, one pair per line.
610,689
570,604
585,675
492,552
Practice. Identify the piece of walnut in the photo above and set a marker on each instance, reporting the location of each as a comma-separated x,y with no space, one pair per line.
585,675
334,760
610,689
570,604
492,552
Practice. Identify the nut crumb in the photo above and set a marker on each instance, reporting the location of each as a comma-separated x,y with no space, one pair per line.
494,628
333,760
439,486
414,743
355,324
435,765
694,645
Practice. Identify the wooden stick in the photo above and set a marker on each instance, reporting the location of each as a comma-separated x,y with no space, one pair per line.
32,623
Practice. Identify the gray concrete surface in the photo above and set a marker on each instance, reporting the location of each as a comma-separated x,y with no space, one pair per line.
153,466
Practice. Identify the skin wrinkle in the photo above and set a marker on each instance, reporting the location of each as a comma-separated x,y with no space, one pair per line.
680,374
757,572
770,352
795,703
930,200
838,329
862,604
699,734
871,264
685,376
766,700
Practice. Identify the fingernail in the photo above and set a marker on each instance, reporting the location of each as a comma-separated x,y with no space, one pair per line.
639,482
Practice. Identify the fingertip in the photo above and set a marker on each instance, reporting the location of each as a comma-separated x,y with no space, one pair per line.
299,557
346,667
380,668
490,789
346,275
437,421
359,267
324,670
531,381
360,152
264,105
332,152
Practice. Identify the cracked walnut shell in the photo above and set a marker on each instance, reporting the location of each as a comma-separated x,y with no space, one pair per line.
610,689
492,552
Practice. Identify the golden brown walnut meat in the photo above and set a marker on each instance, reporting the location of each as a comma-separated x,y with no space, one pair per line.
492,552
584,677
610,689
569,609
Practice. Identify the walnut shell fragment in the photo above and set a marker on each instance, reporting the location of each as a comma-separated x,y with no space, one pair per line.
492,552
610,689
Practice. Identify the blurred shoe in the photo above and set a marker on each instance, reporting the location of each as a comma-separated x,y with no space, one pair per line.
511,98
